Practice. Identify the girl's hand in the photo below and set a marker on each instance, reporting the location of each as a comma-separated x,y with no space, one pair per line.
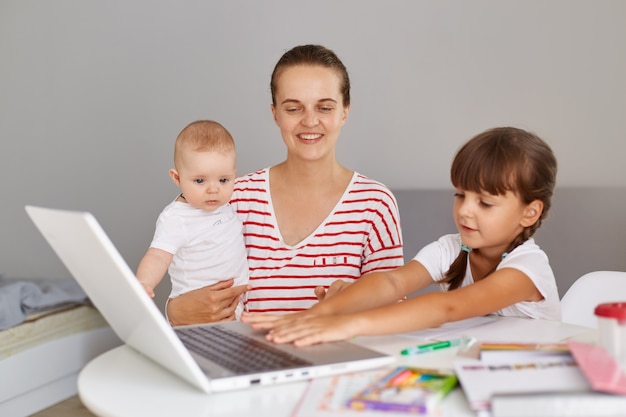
265,321
312,329
259,320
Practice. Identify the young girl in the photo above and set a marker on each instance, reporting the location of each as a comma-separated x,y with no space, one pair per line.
504,180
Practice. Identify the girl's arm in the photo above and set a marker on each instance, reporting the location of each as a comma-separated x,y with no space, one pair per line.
376,289
500,289
370,291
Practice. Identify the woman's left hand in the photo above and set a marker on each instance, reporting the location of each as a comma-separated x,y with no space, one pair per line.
322,293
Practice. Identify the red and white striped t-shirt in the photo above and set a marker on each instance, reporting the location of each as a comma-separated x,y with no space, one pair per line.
362,234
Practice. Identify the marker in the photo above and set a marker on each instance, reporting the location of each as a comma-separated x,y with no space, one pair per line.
431,346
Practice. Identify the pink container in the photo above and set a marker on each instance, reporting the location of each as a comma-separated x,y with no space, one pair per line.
612,330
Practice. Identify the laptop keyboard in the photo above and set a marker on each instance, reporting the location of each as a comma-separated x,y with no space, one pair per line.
236,352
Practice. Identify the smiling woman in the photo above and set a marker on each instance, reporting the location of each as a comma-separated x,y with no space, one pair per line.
311,225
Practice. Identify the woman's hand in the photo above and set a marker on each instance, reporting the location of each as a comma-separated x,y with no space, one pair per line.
208,304
322,293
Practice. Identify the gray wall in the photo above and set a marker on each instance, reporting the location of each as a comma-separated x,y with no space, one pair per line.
93,93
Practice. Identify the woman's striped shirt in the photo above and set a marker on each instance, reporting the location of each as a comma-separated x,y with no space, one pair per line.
362,234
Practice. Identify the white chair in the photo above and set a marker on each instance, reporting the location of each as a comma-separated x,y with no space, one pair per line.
593,288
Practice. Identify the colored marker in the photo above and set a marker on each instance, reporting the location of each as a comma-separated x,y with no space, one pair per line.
431,347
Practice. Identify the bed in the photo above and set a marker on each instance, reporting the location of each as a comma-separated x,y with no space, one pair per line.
41,357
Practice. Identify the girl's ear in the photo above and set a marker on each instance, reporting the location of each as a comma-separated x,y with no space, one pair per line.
532,213
175,177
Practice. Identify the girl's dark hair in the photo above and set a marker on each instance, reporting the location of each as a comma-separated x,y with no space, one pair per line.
500,160
313,55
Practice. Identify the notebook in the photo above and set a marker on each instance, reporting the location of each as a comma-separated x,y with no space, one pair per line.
92,259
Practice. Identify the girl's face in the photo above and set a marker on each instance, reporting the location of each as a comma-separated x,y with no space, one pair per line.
491,222
309,111
206,179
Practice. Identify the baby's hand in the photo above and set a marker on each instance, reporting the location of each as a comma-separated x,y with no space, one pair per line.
149,290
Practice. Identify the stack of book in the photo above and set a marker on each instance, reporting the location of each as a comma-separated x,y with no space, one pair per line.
526,380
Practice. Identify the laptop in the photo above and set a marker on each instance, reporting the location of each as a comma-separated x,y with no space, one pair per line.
198,354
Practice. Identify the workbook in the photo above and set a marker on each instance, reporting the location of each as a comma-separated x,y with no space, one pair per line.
406,389
545,380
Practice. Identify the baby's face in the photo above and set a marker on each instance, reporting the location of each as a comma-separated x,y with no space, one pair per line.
207,178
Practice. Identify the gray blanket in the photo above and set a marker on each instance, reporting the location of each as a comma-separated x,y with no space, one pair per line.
19,298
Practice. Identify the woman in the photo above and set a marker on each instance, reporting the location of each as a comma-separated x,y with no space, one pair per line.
310,224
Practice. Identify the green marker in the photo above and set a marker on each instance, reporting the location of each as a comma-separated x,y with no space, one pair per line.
431,346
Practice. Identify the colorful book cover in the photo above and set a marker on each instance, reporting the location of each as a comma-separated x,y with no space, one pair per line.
405,389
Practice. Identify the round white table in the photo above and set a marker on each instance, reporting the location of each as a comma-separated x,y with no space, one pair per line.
123,383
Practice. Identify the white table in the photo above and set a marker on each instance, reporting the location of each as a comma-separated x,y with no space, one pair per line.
122,383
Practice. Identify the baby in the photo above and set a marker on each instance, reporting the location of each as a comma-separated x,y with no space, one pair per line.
198,238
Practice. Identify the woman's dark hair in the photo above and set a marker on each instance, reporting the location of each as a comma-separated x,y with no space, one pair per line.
500,160
313,55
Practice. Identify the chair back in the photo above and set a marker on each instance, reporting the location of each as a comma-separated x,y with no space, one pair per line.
597,287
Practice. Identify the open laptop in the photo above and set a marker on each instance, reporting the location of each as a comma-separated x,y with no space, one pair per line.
90,256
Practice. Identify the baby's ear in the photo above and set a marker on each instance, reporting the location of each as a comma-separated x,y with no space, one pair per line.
175,177
532,213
